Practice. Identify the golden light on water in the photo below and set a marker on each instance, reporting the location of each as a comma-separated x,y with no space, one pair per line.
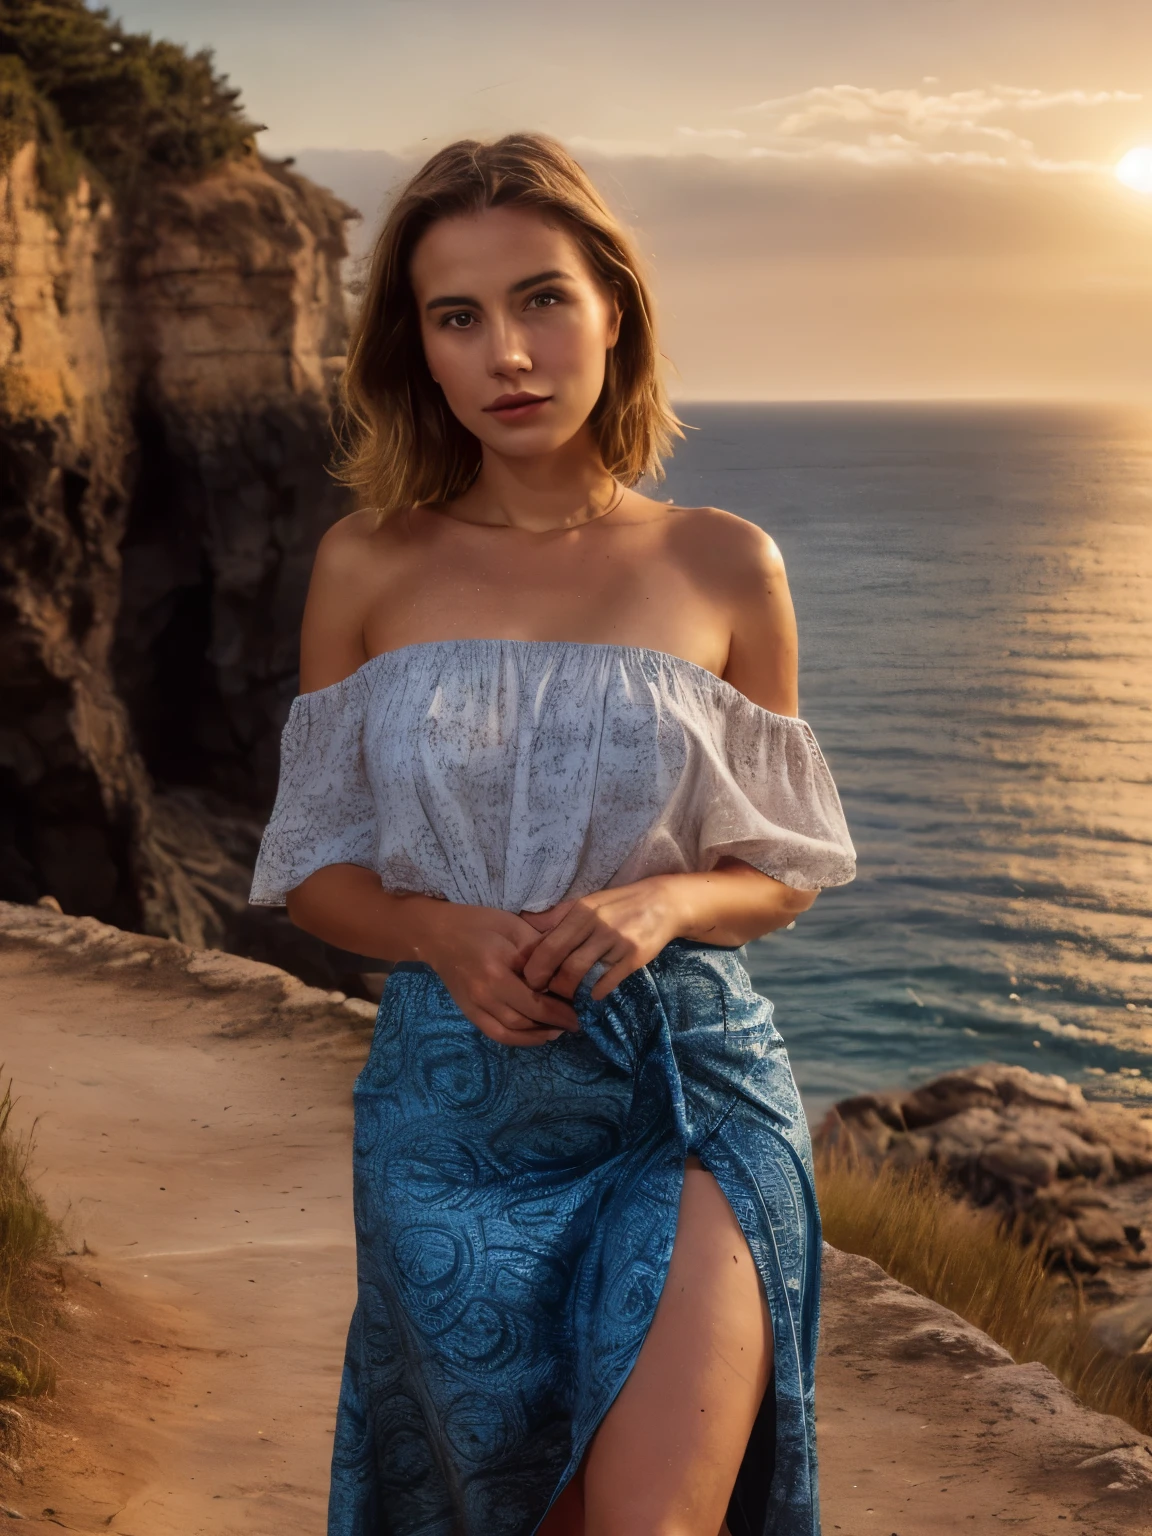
1135,169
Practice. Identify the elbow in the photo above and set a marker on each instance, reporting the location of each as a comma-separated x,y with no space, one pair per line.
797,901
299,907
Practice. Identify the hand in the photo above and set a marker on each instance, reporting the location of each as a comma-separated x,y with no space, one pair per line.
625,927
479,953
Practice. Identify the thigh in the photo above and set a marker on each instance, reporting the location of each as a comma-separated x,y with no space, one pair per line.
666,1456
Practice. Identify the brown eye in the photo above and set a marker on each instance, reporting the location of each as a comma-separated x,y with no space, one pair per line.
461,321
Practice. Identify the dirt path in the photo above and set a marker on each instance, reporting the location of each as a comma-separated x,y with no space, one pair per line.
210,1178
194,1123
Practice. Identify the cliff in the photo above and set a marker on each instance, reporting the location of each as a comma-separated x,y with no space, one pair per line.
166,363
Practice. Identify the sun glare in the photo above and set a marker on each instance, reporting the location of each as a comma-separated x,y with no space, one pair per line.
1135,169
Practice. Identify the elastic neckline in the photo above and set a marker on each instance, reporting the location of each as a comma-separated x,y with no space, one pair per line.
640,651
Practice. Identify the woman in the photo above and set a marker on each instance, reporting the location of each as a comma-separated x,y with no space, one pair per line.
547,762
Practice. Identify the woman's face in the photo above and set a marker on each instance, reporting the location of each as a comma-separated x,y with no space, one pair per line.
516,327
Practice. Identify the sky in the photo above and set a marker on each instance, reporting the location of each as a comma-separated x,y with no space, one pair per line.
845,199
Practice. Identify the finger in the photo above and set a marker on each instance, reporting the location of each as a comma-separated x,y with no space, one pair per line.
523,939
490,999
510,1018
491,1027
554,949
606,947
518,1030
537,1006
613,977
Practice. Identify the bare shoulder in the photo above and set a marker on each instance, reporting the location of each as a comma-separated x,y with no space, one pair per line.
742,569
349,540
737,558
345,577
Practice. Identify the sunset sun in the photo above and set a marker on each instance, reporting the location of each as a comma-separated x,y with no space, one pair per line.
1135,169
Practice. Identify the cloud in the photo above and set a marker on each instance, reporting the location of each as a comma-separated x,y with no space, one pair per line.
893,150
889,127
919,112
712,133
868,127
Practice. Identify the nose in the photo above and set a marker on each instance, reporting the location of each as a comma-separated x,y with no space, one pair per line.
508,348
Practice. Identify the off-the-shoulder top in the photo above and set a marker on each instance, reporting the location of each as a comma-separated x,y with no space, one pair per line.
517,773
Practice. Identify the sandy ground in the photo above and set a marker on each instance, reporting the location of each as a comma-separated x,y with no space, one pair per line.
200,1153
210,1178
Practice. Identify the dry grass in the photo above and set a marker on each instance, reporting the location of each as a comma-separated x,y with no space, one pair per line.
911,1224
28,1241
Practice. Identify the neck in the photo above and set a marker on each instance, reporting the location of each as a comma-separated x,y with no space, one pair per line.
540,495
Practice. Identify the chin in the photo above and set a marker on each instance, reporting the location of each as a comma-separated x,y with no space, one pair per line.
531,438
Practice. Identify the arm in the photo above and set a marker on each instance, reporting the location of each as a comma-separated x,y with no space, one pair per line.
626,926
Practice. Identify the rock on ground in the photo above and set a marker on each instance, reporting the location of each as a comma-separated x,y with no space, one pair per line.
265,996
928,1428
1076,1172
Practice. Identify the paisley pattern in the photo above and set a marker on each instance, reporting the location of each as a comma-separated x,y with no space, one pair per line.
515,1208
515,1212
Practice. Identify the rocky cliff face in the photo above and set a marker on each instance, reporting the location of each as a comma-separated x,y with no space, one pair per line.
234,326
165,390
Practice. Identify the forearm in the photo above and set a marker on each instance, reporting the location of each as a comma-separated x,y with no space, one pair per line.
347,906
732,903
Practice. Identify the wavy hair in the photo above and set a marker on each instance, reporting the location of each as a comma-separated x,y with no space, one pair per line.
402,446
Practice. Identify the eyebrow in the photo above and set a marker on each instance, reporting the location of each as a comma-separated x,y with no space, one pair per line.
453,300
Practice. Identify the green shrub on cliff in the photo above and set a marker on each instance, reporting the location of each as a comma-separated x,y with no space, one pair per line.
28,1239
130,105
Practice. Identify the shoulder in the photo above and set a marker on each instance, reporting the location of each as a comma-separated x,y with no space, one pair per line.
743,571
741,559
346,544
355,559
712,527
346,577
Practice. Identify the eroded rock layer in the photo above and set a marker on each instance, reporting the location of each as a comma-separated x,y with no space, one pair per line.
165,394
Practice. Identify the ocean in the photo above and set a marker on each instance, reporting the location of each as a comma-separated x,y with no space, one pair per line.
973,587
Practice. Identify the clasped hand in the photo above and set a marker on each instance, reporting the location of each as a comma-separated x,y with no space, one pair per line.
513,974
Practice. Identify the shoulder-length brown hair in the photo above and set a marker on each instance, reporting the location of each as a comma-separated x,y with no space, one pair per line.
403,446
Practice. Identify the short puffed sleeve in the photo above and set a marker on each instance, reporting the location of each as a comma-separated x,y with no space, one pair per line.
324,811
743,783
770,800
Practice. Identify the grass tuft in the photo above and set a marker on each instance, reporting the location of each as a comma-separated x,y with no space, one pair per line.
29,1239
910,1222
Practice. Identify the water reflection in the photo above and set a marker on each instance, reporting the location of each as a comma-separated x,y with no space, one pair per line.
973,591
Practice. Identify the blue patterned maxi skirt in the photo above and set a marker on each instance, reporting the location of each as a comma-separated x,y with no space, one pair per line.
515,1211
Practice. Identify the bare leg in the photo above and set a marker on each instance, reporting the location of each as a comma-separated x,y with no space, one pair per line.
664,1461
566,1517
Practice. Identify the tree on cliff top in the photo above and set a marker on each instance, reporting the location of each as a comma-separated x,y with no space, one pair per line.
129,105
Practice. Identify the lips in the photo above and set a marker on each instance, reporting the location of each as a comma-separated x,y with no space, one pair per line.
516,407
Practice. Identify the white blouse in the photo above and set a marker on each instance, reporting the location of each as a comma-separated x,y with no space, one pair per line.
516,773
